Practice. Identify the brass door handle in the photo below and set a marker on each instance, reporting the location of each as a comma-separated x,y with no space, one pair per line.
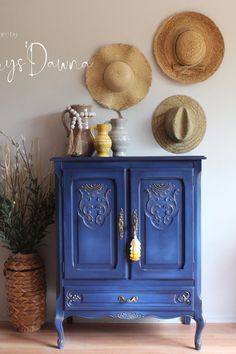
121,224
135,245
122,299
135,224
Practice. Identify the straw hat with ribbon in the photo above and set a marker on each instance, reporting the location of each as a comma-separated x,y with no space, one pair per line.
179,124
118,76
188,47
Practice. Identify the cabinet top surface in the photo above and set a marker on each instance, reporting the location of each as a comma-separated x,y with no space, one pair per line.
125,158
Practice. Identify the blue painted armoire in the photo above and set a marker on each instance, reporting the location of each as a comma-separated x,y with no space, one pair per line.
101,202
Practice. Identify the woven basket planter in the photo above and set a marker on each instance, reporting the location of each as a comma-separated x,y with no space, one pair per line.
26,291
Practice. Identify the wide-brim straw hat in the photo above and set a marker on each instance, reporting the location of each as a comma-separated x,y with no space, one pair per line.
188,47
179,124
118,76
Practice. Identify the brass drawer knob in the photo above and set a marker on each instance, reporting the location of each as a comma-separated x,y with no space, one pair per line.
122,299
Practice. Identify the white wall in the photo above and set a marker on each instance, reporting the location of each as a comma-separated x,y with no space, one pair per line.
75,29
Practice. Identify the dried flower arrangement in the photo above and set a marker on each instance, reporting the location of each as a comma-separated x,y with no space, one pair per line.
27,202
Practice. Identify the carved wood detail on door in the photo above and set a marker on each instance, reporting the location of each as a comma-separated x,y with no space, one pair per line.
162,206
94,205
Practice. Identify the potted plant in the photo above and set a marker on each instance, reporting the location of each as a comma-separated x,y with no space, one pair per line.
27,204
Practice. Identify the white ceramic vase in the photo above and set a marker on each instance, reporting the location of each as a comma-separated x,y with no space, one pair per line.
119,136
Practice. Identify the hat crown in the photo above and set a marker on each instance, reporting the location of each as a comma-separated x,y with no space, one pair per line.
190,48
118,76
179,124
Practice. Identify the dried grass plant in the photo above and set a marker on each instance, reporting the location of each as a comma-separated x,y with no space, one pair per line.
27,200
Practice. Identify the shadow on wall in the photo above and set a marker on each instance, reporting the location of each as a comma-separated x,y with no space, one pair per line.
52,142
48,254
3,298
51,134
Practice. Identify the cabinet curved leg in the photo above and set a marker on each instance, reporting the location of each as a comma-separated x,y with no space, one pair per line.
186,320
200,323
59,327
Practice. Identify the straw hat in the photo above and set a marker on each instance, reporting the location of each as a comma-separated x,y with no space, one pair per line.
179,124
118,76
188,47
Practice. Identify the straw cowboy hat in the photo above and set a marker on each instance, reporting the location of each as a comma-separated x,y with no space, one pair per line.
179,124
188,47
118,76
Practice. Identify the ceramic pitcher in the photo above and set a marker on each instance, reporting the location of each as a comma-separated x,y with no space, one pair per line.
102,141
119,136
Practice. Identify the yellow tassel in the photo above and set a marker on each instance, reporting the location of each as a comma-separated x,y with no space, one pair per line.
78,143
135,249
71,142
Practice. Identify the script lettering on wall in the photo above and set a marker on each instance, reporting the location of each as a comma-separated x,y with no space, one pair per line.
162,206
94,204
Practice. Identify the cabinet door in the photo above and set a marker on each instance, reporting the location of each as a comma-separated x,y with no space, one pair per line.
93,200
163,199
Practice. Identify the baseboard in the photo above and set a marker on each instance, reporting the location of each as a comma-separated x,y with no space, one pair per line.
221,319
209,319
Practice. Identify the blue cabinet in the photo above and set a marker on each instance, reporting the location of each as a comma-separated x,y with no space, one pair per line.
97,200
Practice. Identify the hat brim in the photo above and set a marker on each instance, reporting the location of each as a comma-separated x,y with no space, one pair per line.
139,86
165,38
158,124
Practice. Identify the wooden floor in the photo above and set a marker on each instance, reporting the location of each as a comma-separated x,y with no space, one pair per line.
120,338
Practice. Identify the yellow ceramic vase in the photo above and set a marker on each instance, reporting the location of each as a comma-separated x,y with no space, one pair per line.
102,141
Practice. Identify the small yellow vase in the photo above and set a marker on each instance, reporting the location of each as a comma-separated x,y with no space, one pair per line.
102,141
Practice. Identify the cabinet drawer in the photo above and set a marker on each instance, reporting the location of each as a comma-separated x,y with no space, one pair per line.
83,298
